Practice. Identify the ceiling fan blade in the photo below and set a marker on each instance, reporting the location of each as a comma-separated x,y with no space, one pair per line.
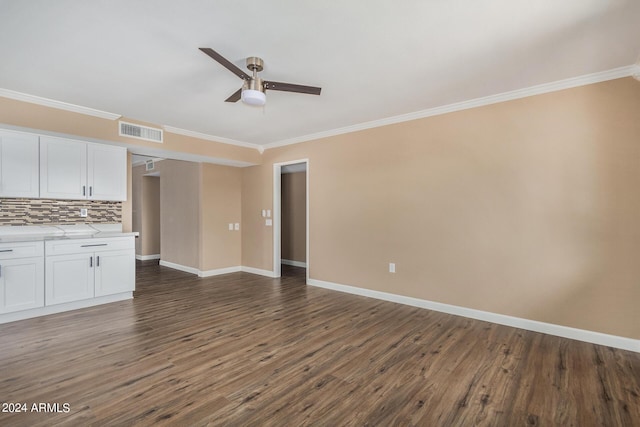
225,63
290,87
235,97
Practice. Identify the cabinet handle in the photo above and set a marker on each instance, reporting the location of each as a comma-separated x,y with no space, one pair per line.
0,271
84,190
90,261
98,261
7,250
90,190
96,244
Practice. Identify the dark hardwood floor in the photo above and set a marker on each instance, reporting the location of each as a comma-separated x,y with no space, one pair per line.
241,349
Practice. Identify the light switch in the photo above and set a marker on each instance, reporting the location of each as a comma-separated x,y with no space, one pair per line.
268,213
264,213
236,226
230,227
392,267
268,222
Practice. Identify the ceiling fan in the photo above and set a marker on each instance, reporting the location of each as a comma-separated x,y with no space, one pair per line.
253,89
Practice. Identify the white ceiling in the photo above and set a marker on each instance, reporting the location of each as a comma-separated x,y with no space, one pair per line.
374,59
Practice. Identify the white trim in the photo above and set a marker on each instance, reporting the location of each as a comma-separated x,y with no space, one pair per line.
588,79
25,97
175,266
616,73
59,308
258,271
219,271
516,322
147,257
293,263
213,138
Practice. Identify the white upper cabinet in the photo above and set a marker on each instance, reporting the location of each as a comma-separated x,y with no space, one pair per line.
107,172
63,169
79,170
19,167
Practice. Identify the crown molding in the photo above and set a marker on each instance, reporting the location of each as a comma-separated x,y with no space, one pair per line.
213,138
616,73
19,96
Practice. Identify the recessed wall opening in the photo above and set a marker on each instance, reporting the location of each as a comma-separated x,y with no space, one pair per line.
291,218
146,209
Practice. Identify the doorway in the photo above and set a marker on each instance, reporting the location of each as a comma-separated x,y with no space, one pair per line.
146,206
291,216
150,218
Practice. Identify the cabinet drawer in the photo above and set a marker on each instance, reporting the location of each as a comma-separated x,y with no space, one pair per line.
78,246
21,250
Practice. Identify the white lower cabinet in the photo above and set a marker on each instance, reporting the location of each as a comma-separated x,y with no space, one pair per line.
68,278
80,269
21,284
115,272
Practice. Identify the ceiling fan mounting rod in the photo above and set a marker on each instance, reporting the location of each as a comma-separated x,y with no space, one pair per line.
255,64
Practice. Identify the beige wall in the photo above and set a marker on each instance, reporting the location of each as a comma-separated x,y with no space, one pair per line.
192,205
527,208
221,205
180,206
294,217
257,238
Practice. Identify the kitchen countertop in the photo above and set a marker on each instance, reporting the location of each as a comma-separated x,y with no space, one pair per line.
35,233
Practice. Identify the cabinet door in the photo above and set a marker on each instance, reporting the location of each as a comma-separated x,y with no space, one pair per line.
63,168
69,278
107,178
21,284
19,165
115,272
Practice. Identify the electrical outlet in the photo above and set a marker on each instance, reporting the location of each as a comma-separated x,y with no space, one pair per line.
392,267
268,222
83,213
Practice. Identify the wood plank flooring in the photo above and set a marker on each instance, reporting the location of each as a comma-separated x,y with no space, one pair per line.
245,350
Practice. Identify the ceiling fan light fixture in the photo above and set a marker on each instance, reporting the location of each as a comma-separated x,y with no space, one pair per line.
253,97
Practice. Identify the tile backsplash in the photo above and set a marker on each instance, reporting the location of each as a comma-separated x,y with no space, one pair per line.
47,211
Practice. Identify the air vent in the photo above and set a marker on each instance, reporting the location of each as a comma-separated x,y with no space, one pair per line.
140,132
148,165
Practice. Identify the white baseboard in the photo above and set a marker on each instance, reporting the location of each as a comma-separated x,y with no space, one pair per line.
147,257
175,266
59,308
516,322
208,273
218,271
267,273
294,263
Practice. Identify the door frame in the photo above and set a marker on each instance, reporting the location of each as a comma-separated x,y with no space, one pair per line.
277,215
